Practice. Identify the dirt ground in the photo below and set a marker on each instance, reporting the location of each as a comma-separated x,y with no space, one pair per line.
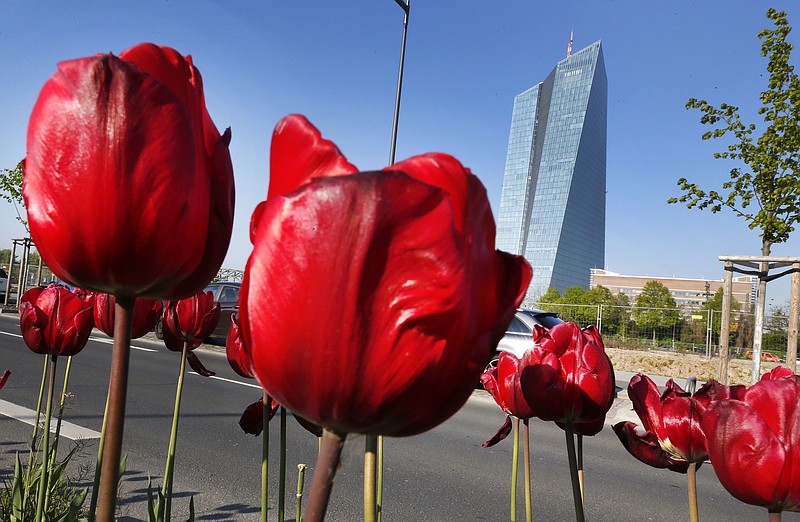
678,365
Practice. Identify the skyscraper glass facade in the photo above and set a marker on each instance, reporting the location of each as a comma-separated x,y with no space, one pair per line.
553,204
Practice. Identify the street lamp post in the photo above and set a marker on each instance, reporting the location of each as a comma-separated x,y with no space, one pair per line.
405,5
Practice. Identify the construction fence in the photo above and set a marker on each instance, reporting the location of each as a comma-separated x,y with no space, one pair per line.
675,329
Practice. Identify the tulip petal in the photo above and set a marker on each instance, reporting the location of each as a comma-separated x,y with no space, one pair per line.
300,154
252,419
646,399
197,366
680,422
646,448
235,352
747,456
509,372
310,427
501,434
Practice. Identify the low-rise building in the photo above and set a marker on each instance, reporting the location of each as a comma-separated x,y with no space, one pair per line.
687,293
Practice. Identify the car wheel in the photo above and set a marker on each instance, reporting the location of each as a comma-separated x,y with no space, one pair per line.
158,329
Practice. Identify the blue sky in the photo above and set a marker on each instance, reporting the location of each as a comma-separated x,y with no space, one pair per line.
336,62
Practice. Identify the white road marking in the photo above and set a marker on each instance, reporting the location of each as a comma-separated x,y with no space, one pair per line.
68,430
98,339
111,341
228,380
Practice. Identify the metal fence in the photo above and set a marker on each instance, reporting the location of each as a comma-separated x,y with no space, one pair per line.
674,329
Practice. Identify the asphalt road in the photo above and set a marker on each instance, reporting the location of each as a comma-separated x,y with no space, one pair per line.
444,474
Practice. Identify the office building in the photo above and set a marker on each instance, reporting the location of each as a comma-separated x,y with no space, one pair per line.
552,208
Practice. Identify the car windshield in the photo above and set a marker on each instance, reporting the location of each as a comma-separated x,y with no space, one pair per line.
546,319
3,274
214,289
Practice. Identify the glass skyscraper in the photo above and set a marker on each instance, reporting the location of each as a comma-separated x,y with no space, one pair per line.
553,205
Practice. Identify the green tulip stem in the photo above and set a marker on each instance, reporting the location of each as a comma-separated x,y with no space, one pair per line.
527,458
580,466
282,467
35,436
45,476
370,465
691,480
169,471
265,458
54,450
95,486
330,454
514,470
573,473
117,397
301,480
379,495
775,517
45,367
61,407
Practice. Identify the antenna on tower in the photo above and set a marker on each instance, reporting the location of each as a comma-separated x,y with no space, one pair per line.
569,45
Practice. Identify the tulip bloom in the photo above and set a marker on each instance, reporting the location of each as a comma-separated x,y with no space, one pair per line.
754,444
189,321
402,264
568,378
145,314
192,319
131,136
503,383
235,352
672,438
54,321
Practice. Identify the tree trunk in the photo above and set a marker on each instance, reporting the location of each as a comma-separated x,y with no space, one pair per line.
766,247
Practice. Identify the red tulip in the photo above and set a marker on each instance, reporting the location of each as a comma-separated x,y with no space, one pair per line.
672,436
131,135
568,378
190,321
754,444
145,314
398,270
779,372
54,321
193,318
503,383
234,350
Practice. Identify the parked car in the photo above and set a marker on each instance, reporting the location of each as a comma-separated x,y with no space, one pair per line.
226,294
765,356
3,282
519,334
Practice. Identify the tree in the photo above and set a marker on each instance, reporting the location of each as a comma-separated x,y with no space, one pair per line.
574,309
551,296
11,190
655,308
769,180
714,307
